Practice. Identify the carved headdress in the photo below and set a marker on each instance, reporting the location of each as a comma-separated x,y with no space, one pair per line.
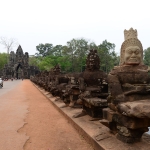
92,61
131,39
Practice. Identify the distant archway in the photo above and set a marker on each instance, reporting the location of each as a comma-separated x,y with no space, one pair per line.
19,71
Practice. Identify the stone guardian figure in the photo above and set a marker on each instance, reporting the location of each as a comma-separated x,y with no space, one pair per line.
129,85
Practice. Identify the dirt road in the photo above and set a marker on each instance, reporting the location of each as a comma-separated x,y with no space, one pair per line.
29,121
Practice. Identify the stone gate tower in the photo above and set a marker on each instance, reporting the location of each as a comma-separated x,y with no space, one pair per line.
18,66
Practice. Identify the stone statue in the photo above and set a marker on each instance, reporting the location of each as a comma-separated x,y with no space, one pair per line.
129,84
93,86
55,80
26,58
72,91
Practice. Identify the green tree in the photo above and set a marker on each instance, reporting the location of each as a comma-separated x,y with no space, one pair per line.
92,45
147,56
44,49
33,61
64,63
57,50
77,50
108,57
72,56
3,60
8,44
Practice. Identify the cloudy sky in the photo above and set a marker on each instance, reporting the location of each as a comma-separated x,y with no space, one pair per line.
32,22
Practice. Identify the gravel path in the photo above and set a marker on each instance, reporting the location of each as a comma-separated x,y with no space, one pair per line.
13,110
30,122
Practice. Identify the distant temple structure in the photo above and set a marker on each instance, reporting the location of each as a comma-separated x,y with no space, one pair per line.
18,66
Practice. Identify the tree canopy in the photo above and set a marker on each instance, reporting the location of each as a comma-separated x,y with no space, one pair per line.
147,56
3,59
108,57
72,56
8,43
44,49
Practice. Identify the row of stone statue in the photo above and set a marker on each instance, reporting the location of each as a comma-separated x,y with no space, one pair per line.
122,97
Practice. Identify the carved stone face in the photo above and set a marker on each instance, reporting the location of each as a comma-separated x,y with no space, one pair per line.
91,63
133,55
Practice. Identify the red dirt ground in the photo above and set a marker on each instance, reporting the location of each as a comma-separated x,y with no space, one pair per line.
47,128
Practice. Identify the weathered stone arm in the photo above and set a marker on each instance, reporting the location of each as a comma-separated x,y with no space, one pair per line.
114,85
138,89
115,88
56,80
81,84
